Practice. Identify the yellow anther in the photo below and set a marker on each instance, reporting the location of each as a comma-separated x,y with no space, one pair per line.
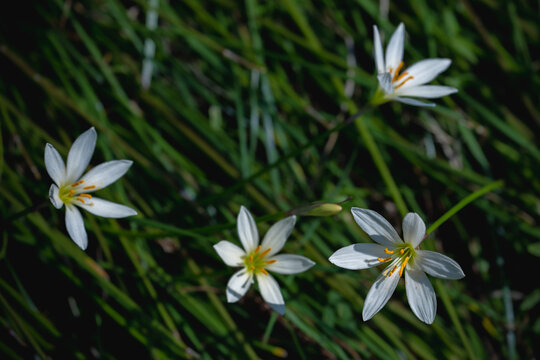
71,192
391,272
271,261
258,249
263,270
403,83
401,251
400,77
77,183
403,264
263,254
81,200
397,71
86,196
383,260
250,258
388,251
89,187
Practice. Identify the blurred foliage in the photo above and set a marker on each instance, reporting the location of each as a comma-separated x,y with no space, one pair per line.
229,102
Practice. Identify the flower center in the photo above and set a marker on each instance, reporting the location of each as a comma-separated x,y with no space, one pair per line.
255,261
397,77
402,255
70,193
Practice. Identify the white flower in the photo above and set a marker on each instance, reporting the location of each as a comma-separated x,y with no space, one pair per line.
411,81
256,260
71,189
402,257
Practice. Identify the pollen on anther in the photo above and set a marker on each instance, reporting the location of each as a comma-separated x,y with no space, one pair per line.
271,261
403,266
77,183
89,187
81,200
403,83
86,196
388,251
263,270
383,260
257,249
397,72
71,192
401,251
263,254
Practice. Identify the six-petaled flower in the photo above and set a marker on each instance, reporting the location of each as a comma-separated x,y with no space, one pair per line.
411,82
257,259
73,190
401,257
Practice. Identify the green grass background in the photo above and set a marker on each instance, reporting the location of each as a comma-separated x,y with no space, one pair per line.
241,99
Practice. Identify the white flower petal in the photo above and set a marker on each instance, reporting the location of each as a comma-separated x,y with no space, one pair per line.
438,265
230,253
413,102
103,175
420,294
106,209
289,264
54,198
247,230
378,51
394,49
376,227
278,233
358,256
75,226
424,71
80,154
379,294
427,91
385,81
271,293
238,285
414,229
54,165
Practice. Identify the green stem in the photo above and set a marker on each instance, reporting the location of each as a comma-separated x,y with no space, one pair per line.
460,205
381,166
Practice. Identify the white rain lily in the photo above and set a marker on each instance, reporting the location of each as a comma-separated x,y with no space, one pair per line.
256,260
401,257
72,189
411,82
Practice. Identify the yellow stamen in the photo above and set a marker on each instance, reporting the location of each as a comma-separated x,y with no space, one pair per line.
397,71
401,251
89,187
264,271
77,183
81,200
388,251
403,266
390,70
86,196
383,260
257,249
391,272
250,258
263,254
271,261
400,77
71,192
403,83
